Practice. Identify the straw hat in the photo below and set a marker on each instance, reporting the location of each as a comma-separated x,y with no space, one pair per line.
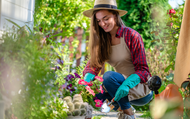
104,4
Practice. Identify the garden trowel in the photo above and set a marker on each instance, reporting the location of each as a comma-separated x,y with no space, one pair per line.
107,106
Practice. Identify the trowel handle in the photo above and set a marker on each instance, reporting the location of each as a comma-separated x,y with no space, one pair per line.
113,100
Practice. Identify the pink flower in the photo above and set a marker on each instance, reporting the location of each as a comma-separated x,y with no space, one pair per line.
98,103
172,11
90,90
97,90
82,82
171,24
89,84
101,89
99,78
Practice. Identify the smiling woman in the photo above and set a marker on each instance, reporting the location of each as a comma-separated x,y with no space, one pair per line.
106,20
106,23
123,48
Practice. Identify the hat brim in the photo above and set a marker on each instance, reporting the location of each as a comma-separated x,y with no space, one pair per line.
88,13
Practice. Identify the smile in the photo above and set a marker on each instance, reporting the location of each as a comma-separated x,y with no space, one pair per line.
105,28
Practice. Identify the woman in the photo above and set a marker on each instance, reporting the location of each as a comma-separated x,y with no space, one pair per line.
122,47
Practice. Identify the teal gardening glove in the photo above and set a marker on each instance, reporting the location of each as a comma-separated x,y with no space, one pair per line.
129,83
89,77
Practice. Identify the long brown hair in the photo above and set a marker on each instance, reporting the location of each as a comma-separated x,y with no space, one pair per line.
100,41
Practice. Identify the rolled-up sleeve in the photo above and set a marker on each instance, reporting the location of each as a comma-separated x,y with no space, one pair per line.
89,69
135,43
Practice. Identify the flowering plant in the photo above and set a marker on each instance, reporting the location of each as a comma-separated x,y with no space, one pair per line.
92,88
71,84
171,12
166,34
69,88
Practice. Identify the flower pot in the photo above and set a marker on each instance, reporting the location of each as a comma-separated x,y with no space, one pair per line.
2,110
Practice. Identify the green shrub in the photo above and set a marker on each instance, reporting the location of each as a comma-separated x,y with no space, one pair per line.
139,16
25,74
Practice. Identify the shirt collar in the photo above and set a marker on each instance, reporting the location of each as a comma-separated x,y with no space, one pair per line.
119,32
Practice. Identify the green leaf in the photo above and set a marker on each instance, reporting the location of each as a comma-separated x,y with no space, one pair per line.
168,68
13,23
29,28
170,77
175,16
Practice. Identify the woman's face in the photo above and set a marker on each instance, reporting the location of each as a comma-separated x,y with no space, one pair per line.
106,20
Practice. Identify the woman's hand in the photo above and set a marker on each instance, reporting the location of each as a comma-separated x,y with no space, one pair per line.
89,77
129,83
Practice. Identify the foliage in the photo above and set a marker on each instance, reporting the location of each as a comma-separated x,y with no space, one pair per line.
97,117
157,62
166,37
146,114
62,60
139,16
61,17
38,3
91,88
165,109
186,95
55,109
69,79
26,77
161,56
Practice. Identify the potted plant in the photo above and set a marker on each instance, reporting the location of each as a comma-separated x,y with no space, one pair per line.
77,108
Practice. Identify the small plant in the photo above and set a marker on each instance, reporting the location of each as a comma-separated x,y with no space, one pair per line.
77,107
55,109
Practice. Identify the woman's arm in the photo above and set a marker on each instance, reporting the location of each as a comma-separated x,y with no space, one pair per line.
135,43
92,70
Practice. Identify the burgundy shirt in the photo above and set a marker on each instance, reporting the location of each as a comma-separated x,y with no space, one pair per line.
136,46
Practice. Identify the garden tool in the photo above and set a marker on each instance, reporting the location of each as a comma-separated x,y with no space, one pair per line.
107,106
154,83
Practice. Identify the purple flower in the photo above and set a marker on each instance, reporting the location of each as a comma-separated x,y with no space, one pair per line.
64,85
60,61
69,77
41,59
51,47
69,86
95,98
71,90
57,67
76,75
